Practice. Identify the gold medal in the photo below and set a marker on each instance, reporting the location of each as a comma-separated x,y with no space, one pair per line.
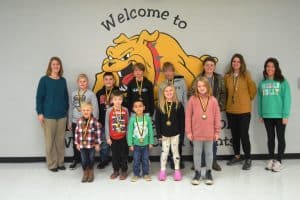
118,119
168,123
141,140
141,130
84,143
204,107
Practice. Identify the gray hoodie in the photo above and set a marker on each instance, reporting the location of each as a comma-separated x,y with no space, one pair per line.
180,86
74,111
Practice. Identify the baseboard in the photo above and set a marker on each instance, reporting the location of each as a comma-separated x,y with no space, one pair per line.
152,158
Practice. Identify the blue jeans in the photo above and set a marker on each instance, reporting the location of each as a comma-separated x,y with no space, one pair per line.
87,157
141,156
104,150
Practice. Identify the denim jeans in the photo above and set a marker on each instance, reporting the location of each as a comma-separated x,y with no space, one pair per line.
104,150
141,157
87,157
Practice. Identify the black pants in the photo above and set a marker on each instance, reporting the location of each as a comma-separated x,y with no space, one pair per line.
119,150
239,125
76,156
272,125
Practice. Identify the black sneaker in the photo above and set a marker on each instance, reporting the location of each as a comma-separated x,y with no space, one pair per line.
247,164
73,165
216,166
234,161
196,179
102,164
208,178
61,168
54,170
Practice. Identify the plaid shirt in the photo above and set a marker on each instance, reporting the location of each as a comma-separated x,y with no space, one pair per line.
92,136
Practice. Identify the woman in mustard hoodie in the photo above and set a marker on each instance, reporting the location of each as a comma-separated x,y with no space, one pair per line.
274,103
241,90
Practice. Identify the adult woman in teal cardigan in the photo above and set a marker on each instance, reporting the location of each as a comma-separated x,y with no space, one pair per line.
274,103
52,106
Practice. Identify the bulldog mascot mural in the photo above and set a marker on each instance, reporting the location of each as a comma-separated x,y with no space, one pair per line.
152,50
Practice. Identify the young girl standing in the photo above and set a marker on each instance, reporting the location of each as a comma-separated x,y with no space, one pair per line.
169,123
274,103
202,126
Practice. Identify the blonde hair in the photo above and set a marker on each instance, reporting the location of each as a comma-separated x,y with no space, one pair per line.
162,99
86,104
84,76
206,84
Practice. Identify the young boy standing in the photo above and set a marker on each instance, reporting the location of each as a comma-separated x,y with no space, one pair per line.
87,140
104,102
140,88
140,140
116,121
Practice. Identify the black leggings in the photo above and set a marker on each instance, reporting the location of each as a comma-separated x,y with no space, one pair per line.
272,125
239,125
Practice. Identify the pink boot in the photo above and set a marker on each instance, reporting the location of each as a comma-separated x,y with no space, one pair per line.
177,175
162,175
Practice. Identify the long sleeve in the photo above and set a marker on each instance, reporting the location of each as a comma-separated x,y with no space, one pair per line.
286,99
71,108
107,123
150,130
151,99
217,119
98,133
95,106
76,139
222,100
130,131
40,97
259,100
181,117
157,122
188,117
251,86
66,95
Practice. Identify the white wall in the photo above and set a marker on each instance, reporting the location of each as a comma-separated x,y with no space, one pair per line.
33,31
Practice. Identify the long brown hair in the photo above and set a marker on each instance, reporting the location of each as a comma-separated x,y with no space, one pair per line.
278,75
243,68
49,70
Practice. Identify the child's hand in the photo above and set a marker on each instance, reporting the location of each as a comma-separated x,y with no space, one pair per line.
150,146
70,126
41,119
131,148
108,141
97,147
284,121
78,147
216,137
190,137
261,120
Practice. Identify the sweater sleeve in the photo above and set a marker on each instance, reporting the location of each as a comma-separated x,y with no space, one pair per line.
40,97
217,121
71,107
98,132
150,130
130,131
184,94
107,123
222,100
251,86
95,106
188,117
77,138
66,95
157,122
181,117
151,99
286,99
259,98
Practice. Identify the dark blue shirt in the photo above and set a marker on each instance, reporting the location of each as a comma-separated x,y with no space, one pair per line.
52,98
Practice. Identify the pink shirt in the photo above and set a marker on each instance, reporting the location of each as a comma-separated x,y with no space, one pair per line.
202,129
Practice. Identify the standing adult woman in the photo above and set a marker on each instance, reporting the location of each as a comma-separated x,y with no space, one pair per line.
274,103
241,90
52,107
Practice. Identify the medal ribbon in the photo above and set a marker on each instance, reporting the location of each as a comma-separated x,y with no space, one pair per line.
107,94
169,108
204,104
140,132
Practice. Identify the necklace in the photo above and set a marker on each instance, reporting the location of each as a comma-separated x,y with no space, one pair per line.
204,106
141,130
169,108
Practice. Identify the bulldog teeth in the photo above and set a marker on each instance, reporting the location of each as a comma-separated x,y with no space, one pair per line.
120,74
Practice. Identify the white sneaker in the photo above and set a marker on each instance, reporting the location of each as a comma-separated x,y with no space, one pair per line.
277,166
270,164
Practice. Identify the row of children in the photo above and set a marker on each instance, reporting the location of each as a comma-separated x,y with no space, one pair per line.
211,93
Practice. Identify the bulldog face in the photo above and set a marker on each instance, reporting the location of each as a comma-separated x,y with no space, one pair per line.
126,52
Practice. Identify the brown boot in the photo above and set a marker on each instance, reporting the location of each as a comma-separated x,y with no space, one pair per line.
91,175
85,176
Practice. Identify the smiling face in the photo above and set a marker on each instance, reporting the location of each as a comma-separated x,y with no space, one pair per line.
169,74
83,83
117,101
86,111
270,69
55,67
138,108
209,67
236,64
108,81
201,88
169,93
138,73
